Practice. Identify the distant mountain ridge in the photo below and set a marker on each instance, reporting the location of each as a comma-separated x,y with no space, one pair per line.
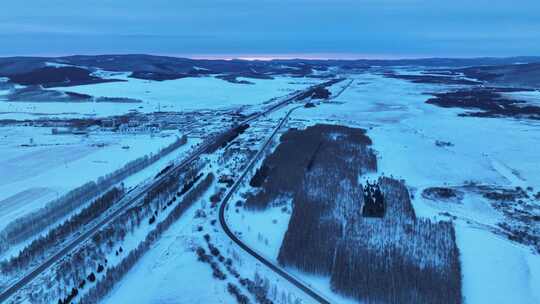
24,69
165,64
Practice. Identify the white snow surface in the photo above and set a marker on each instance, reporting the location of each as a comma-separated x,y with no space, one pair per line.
170,272
530,97
495,270
193,93
57,164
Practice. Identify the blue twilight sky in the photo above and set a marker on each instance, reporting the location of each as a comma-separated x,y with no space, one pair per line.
271,28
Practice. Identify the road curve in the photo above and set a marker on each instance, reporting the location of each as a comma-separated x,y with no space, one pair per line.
129,201
253,253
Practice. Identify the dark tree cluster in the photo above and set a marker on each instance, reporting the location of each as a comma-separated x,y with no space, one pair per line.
31,224
238,295
301,150
508,195
189,184
437,79
216,197
259,177
319,91
373,201
57,77
442,194
209,259
164,170
258,288
222,139
74,292
226,180
321,206
489,101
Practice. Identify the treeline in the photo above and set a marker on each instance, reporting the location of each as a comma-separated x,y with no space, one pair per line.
116,273
29,225
41,245
319,91
222,139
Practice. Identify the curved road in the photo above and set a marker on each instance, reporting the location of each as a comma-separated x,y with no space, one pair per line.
313,294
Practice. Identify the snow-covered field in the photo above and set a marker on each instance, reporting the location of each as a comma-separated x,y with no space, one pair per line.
496,270
170,95
59,163
170,272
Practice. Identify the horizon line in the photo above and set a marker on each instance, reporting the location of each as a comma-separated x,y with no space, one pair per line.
270,56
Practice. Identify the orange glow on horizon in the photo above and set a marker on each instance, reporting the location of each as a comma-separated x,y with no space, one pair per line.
308,56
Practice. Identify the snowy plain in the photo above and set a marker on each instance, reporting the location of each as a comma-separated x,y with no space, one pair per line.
404,130
51,163
194,93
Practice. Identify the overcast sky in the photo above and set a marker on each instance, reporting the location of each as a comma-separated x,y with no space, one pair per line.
259,28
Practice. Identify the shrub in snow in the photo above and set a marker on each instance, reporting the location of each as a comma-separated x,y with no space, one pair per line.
259,177
213,250
235,291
